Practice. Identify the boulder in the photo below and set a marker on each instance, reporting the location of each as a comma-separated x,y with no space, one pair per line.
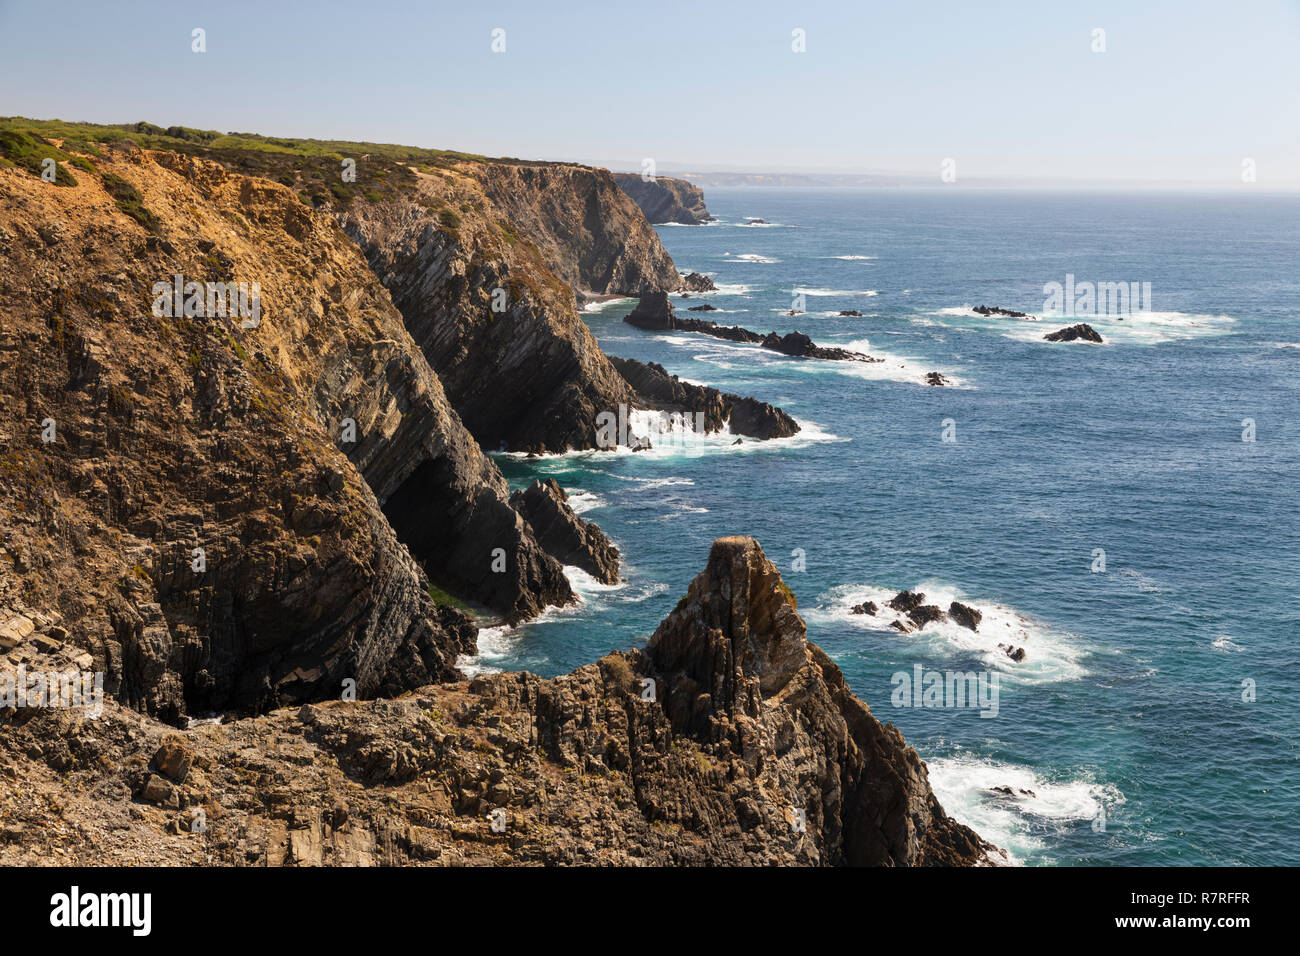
155,789
925,614
965,615
907,601
173,759
866,607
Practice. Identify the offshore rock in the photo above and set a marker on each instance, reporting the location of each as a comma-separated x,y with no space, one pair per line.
1075,333
564,535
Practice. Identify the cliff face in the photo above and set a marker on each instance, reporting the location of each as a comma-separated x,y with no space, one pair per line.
663,199
517,362
191,431
482,260
587,230
730,741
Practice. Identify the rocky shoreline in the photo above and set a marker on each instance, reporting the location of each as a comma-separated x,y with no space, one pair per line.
730,740
668,393
654,312
254,520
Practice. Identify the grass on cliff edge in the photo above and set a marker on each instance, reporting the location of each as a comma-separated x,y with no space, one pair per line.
28,151
311,167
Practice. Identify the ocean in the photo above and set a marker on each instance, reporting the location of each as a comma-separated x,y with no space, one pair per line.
1097,502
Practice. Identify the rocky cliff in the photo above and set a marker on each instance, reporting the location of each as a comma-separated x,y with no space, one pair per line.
483,261
216,509
501,331
730,740
231,482
665,200
590,235
563,534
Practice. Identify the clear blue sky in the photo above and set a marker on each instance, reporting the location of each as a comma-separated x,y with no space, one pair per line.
1184,91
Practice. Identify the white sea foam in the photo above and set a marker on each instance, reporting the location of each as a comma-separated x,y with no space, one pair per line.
645,484
839,292
1136,328
728,288
494,644
1052,655
1018,822
850,258
599,304
893,368
499,646
754,257
583,501
1225,643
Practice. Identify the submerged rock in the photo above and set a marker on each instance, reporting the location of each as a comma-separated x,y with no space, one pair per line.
925,614
1017,654
907,601
698,282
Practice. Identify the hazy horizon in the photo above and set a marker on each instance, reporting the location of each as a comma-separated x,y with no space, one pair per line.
1171,96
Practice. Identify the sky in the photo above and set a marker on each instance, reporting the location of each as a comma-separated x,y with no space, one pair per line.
1184,92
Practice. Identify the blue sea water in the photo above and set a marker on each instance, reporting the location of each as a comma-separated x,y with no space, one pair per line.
1129,720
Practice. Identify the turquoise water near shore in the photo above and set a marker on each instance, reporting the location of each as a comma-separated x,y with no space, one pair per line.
1129,707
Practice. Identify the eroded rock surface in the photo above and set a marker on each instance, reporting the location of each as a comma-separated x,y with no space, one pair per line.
730,740
564,535
664,199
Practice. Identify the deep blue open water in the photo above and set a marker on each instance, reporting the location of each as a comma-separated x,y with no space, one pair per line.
1127,719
